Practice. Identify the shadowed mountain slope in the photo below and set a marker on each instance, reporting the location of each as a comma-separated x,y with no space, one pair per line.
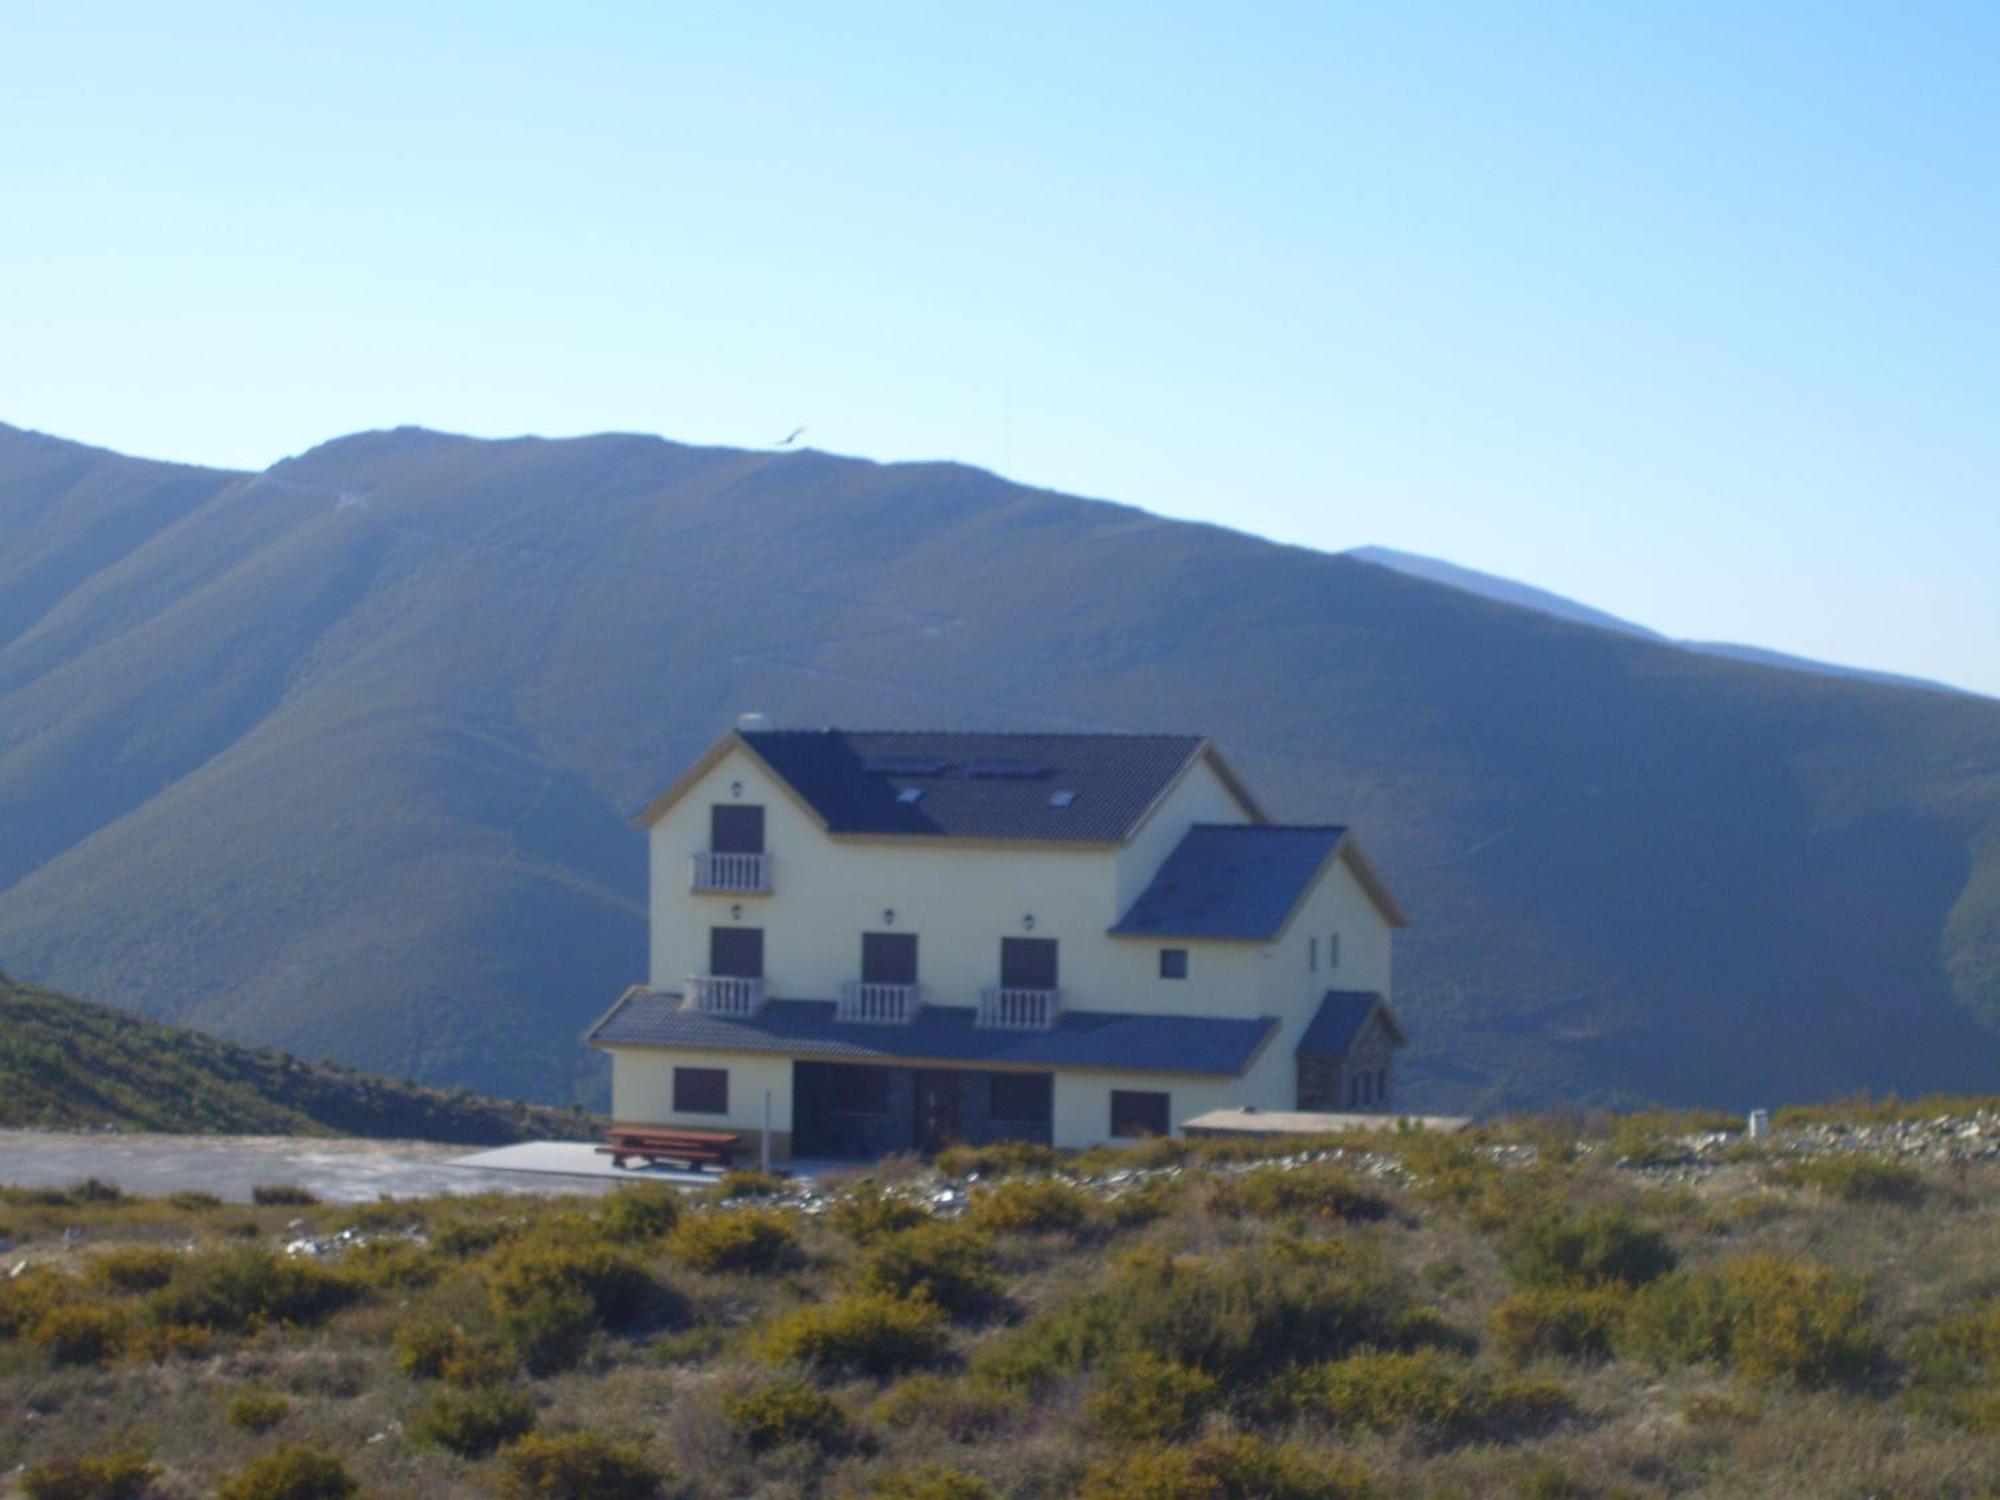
338,757
68,1064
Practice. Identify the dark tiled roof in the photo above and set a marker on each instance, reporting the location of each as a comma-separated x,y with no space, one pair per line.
999,786
1079,1039
1338,1022
1230,881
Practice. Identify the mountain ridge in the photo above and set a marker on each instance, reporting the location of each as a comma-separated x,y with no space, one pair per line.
341,757
1562,607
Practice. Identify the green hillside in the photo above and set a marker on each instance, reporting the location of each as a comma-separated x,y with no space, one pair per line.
69,1064
338,757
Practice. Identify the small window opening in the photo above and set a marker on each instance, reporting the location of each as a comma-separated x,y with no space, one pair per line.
1061,799
1312,954
910,794
1173,963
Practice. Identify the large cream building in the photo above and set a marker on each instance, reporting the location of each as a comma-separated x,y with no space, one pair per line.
875,942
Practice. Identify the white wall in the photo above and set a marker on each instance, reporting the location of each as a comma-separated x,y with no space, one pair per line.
642,1088
959,900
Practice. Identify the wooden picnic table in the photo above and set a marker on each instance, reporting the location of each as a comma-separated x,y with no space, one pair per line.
694,1149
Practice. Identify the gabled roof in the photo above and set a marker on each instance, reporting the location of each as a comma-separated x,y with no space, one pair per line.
1242,882
1340,1019
1080,1039
1065,788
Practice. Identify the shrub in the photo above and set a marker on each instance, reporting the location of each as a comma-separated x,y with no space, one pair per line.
1955,1369
1030,1206
867,1213
425,1344
1240,1315
131,1268
793,1411
1605,1246
296,1473
1144,1202
639,1213
1227,1468
26,1299
1765,1316
1565,1322
97,1190
80,1333
619,1289
1857,1179
1636,1144
243,1288
1000,1159
930,1484
960,1409
390,1263
945,1262
1320,1190
1382,1391
257,1410
873,1333
113,1476
577,1466
744,1239
472,1423
549,1328
746,1183
1146,1397
283,1195
194,1201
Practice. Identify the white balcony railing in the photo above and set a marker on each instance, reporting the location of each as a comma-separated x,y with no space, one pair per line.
1019,1010
888,1003
723,995
737,874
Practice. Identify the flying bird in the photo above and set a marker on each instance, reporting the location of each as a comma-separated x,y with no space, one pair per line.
791,437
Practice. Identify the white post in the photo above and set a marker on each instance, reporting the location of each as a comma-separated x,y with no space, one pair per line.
1760,1124
765,1152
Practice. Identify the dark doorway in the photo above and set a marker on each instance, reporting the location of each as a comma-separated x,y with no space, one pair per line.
1027,963
736,952
734,829
938,1122
888,958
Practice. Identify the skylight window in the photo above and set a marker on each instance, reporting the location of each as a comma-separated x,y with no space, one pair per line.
910,794
1005,766
903,765
1061,799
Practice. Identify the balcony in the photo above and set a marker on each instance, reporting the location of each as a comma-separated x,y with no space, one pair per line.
733,874
888,1004
1019,1010
723,995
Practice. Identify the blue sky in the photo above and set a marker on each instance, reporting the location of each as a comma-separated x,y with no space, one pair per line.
1688,310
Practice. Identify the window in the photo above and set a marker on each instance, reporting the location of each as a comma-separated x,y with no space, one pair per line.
1367,1088
910,794
1027,963
1333,950
701,1091
1173,963
1354,1092
888,958
1381,1085
1021,1097
1312,954
1061,799
1136,1113
861,1091
736,952
734,829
